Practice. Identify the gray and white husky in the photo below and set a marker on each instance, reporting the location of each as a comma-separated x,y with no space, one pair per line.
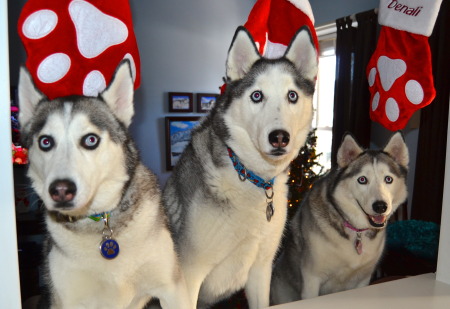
227,196
108,244
337,237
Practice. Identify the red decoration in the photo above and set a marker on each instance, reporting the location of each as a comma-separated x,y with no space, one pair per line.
20,155
75,46
273,24
400,71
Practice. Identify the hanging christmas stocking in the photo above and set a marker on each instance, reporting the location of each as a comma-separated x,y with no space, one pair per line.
400,72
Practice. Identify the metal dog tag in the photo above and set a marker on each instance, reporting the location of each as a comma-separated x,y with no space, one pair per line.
358,243
109,248
269,211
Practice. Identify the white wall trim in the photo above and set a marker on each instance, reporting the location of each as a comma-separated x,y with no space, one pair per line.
9,265
326,29
443,266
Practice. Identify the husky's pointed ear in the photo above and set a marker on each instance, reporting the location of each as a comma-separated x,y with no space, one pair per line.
29,96
302,52
119,94
241,55
397,149
348,151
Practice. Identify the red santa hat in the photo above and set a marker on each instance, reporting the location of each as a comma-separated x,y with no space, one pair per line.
75,46
273,24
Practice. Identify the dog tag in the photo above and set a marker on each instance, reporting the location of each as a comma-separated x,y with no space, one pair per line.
358,246
269,211
109,248
358,243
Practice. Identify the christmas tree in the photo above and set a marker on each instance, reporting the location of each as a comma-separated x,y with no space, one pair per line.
305,170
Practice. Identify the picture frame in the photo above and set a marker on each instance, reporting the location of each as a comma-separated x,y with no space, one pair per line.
178,135
206,101
181,102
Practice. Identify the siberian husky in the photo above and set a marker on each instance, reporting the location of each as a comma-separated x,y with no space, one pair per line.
337,237
108,244
227,196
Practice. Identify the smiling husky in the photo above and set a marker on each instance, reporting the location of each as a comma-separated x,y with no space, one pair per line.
337,237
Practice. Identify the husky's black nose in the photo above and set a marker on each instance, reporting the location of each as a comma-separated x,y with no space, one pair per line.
379,207
62,190
279,138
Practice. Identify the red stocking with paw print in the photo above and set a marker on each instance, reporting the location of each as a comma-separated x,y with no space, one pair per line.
400,71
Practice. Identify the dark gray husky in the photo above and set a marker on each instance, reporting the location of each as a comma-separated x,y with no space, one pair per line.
337,237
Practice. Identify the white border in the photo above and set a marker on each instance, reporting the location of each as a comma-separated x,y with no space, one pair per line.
443,266
9,265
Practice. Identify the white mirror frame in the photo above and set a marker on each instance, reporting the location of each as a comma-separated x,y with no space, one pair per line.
9,267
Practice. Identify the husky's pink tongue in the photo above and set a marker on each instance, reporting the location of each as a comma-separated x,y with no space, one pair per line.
378,219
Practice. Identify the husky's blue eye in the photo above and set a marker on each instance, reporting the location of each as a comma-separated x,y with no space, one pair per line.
46,142
388,179
292,96
90,141
256,96
362,180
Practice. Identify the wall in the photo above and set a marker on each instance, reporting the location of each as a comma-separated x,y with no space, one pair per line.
326,11
17,55
183,47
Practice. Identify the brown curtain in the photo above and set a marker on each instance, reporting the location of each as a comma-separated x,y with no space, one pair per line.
431,148
354,47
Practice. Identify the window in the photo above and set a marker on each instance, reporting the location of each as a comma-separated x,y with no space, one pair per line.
323,100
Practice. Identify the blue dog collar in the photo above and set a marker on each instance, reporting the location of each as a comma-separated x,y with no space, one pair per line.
244,173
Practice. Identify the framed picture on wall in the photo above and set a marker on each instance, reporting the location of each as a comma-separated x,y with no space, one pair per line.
178,135
205,101
181,102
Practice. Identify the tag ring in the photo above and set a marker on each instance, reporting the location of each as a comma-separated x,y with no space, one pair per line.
269,196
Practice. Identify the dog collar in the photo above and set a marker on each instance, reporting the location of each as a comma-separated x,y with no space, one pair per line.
98,217
109,247
245,174
347,224
358,240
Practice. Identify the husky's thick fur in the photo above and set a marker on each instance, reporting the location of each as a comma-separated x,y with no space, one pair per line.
218,216
83,162
337,237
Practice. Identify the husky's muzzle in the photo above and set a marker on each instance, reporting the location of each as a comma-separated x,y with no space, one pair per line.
279,139
62,192
379,220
